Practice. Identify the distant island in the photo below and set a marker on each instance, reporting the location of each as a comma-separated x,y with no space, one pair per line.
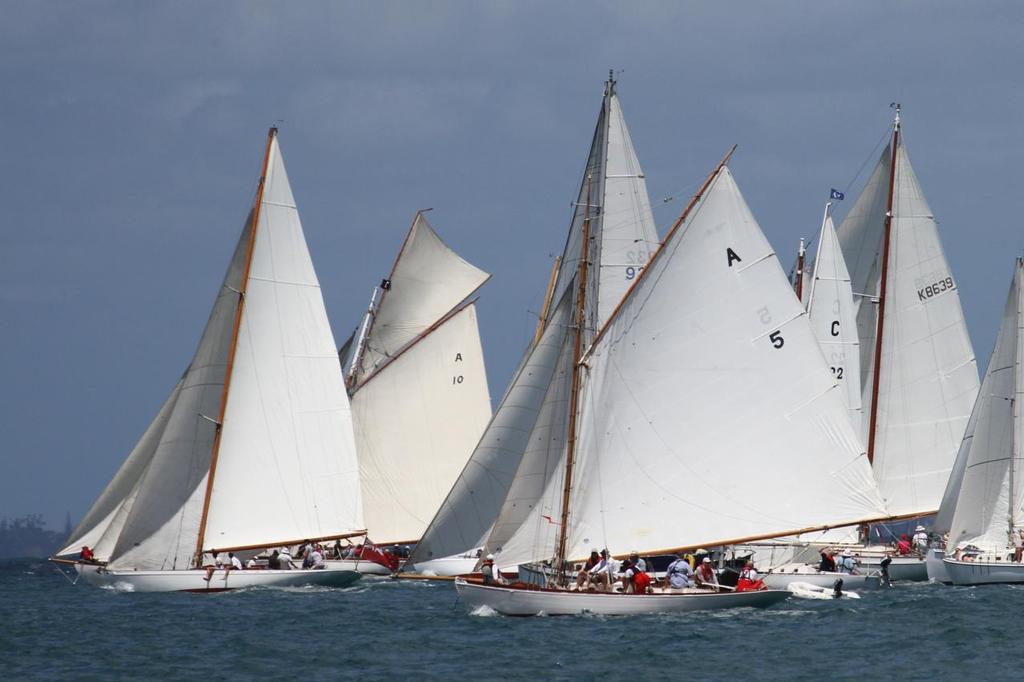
27,537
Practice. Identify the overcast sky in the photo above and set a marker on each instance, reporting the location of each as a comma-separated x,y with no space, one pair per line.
134,132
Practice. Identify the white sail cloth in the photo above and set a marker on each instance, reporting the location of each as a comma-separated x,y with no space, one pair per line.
286,465
833,317
708,414
986,499
929,377
426,283
416,423
471,507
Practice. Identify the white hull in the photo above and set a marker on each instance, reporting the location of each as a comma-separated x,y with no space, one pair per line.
357,565
809,591
936,568
983,572
807,574
902,568
194,580
520,602
447,567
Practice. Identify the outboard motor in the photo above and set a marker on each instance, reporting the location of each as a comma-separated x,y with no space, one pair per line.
837,588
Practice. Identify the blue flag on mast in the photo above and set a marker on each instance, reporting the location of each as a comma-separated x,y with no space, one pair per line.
837,195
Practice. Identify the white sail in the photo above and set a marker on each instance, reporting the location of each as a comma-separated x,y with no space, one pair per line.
929,378
831,310
416,423
988,499
100,518
626,231
426,283
613,195
288,428
286,467
708,414
474,501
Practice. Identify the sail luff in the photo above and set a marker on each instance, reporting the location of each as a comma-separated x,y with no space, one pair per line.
873,420
661,247
1018,393
233,348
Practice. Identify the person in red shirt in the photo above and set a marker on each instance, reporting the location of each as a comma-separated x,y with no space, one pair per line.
903,546
86,555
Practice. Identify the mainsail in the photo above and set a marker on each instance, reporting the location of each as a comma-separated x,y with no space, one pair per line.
613,202
830,308
920,380
984,500
254,446
708,371
420,399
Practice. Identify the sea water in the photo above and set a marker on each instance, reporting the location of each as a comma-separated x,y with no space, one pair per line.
383,629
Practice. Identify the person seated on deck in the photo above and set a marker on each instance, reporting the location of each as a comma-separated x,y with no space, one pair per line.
1017,540
583,577
846,563
274,561
211,561
233,562
706,575
489,572
86,555
920,540
316,559
285,558
827,564
634,575
748,580
903,546
602,574
679,574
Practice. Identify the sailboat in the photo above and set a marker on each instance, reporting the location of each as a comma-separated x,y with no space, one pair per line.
985,496
253,449
917,371
613,197
418,388
707,371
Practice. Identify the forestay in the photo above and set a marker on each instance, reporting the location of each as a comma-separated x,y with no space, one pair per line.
416,423
706,396
929,378
831,311
986,500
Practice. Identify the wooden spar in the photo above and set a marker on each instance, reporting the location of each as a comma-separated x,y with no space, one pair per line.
771,536
881,291
357,354
419,337
289,543
661,247
581,318
1015,407
543,320
234,346
800,272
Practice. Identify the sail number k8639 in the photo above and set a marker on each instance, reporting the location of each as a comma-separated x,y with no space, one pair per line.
936,288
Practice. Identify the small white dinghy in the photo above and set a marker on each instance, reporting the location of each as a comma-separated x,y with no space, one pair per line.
781,577
533,601
812,591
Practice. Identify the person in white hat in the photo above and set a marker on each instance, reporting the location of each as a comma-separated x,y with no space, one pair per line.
920,540
489,572
706,575
846,563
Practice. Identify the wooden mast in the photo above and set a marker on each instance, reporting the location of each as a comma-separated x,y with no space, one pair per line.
800,271
882,289
542,322
234,346
580,320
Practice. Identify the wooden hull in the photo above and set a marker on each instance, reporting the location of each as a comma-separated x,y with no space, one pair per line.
983,572
221,580
523,602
